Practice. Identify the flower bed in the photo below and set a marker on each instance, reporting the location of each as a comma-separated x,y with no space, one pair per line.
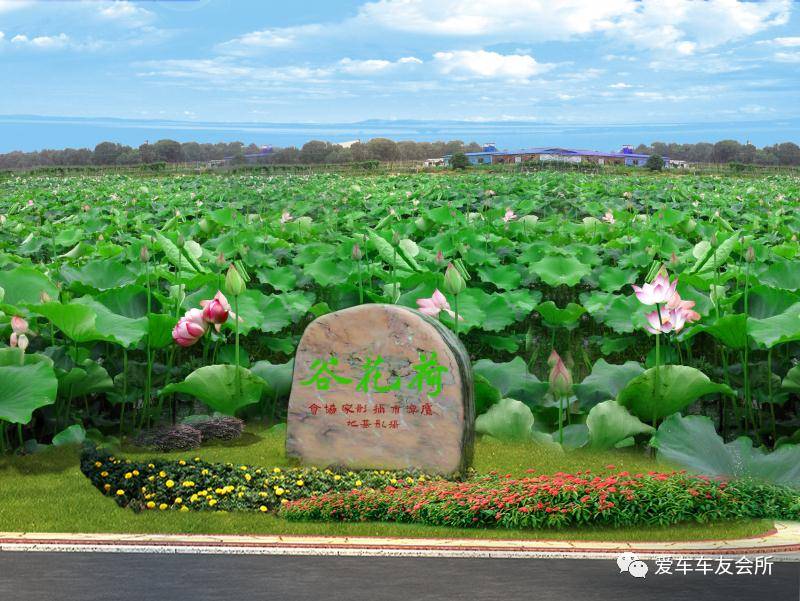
193,484
560,500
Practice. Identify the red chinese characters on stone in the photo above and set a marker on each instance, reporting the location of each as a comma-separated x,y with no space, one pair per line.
348,409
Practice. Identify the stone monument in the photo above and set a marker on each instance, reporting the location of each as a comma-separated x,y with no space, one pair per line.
381,386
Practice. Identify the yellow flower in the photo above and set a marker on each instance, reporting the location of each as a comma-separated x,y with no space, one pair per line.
278,491
212,502
284,501
193,498
151,478
170,483
151,465
410,480
196,459
337,477
184,508
243,468
248,477
358,482
204,472
163,506
120,492
188,484
393,481
421,478
150,505
104,474
135,472
350,474
262,494
299,483
162,474
97,464
277,470
128,476
181,462
107,487
262,509
178,501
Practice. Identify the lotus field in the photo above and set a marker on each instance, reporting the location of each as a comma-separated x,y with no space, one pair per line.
604,311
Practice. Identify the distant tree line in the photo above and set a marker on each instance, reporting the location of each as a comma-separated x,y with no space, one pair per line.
170,151
726,151
377,149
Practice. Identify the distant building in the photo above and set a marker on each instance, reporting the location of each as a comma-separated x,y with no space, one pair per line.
490,155
251,157
434,162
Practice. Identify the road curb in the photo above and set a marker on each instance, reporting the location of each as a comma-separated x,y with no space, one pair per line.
782,544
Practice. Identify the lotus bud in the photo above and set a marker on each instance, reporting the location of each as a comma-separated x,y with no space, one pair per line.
44,297
101,237
794,237
181,241
144,254
356,254
453,280
234,284
205,226
22,342
220,259
553,358
3,219
439,259
560,379
750,255
19,325
714,239
673,260
395,237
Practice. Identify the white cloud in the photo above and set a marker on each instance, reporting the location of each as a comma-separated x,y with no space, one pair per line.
681,26
787,42
43,42
9,5
126,13
374,66
620,86
787,57
536,19
279,37
489,65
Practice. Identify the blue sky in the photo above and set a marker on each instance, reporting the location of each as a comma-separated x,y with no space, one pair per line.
570,61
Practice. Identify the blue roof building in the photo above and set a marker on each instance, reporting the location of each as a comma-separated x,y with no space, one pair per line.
490,155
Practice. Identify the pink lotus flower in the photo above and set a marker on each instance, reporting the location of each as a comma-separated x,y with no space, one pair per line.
435,304
509,216
660,290
19,325
560,379
12,341
609,218
672,320
217,309
190,328
685,307
286,217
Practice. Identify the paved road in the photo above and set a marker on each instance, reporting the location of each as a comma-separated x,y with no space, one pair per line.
153,577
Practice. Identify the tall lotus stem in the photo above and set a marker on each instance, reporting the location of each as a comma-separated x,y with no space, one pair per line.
234,284
357,256
455,284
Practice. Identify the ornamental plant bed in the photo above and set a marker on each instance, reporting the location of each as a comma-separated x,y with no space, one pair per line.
544,501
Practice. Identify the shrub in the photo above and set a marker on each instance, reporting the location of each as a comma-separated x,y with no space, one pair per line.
556,501
221,427
180,437
654,162
193,484
459,161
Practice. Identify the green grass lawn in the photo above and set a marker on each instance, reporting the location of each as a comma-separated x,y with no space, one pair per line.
48,493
